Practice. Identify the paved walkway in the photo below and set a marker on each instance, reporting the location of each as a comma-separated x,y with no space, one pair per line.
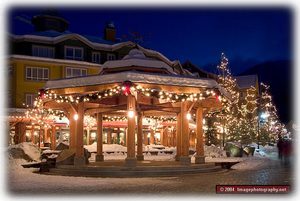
272,173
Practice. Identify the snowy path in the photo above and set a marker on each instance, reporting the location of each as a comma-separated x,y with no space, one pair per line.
266,171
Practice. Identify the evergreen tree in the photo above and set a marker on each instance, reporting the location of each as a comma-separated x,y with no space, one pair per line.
211,132
228,115
248,117
269,123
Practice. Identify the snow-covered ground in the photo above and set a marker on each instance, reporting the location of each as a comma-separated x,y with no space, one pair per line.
23,180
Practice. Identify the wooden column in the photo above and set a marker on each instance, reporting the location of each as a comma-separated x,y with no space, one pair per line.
79,159
178,137
109,135
152,136
165,136
131,159
139,154
41,134
99,155
145,138
88,137
185,144
72,125
192,138
46,136
199,158
53,137
174,138
32,134
20,133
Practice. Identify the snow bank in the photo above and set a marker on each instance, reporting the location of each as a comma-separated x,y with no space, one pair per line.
25,150
214,152
15,167
266,152
106,148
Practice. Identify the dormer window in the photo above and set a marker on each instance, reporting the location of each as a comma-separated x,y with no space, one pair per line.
96,57
74,53
111,57
42,51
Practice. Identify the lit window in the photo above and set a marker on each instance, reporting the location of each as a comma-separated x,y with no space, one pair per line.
42,51
29,99
111,57
74,53
37,73
96,57
75,72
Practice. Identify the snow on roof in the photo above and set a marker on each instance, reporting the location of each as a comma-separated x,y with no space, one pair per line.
53,40
53,37
61,61
137,58
246,81
136,77
149,52
49,33
16,111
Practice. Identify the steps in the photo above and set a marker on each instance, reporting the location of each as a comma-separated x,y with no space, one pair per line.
138,171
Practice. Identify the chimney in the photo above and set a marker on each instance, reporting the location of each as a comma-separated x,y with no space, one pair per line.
49,20
110,32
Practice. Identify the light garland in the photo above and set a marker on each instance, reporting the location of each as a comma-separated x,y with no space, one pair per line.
126,89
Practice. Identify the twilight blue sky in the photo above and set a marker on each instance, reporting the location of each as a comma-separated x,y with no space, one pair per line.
246,35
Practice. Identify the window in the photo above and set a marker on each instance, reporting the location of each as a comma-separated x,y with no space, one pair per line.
42,51
37,73
74,53
29,99
96,57
111,57
75,72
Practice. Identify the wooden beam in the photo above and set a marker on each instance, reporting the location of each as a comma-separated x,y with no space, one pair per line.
159,113
84,89
106,109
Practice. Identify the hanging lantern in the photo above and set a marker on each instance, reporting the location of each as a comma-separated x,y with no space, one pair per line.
42,93
126,87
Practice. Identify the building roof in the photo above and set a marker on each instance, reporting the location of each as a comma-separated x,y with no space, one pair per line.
53,34
53,37
246,81
51,60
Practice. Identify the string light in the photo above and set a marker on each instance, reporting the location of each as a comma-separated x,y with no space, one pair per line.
130,113
188,116
75,117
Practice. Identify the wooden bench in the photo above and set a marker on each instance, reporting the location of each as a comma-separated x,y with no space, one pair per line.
226,165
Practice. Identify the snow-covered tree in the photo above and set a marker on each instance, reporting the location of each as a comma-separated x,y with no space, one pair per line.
229,113
247,116
269,123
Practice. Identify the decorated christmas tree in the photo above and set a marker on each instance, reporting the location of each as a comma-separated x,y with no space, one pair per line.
269,123
228,115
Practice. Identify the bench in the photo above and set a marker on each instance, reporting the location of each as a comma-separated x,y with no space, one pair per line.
226,165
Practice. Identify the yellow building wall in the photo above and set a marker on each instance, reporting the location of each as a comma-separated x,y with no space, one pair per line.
19,86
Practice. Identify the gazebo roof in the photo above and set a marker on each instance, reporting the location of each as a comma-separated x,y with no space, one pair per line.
136,77
136,58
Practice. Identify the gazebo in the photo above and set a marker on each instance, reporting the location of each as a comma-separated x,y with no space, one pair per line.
133,88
